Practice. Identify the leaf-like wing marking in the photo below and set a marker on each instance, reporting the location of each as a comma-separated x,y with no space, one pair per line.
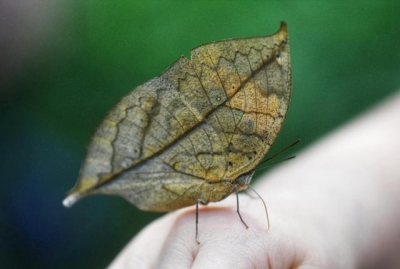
205,120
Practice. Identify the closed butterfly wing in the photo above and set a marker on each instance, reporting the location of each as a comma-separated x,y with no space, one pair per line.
193,131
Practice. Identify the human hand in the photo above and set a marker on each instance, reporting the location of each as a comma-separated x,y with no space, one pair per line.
224,241
336,206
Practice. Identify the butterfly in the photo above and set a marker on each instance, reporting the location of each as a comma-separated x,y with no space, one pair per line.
195,133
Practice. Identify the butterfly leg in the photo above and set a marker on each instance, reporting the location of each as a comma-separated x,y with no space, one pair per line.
197,217
237,206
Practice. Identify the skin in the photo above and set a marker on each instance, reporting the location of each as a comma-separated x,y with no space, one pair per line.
335,206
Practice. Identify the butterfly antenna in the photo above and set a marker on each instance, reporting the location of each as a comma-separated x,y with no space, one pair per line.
265,206
275,163
282,151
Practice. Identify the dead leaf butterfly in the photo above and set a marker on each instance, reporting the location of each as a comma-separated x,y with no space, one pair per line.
195,133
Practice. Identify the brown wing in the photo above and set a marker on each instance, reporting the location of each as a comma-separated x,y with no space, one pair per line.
208,119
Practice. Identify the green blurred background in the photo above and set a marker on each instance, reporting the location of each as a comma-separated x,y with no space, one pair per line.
64,64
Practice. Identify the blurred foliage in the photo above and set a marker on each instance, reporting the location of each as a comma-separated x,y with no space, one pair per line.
345,58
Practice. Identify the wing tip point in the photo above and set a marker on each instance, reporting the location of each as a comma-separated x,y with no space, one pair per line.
71,199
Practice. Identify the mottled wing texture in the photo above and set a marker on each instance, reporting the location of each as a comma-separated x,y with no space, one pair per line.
192,131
